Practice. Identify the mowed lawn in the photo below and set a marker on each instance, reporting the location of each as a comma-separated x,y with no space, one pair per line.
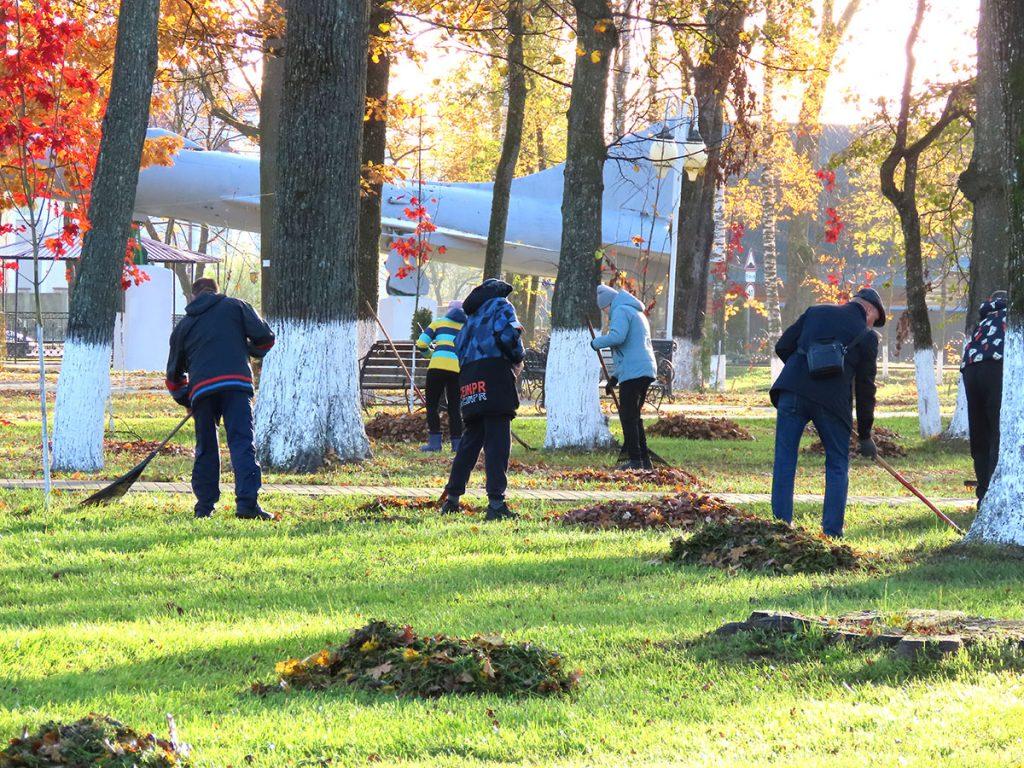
137,611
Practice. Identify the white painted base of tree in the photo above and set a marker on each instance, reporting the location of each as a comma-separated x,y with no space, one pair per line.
571,394
776,365
686,373
928,412
367,335
719,365
309,396
1001,519
79,417
958,427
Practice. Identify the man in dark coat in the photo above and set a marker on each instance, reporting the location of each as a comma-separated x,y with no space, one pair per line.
208,371
983,383
801,397
490,351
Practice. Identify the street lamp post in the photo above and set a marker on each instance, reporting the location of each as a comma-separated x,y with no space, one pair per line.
689,157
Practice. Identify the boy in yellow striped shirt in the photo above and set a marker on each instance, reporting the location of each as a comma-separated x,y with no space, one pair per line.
437,342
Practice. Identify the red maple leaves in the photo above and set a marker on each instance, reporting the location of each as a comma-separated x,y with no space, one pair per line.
416,248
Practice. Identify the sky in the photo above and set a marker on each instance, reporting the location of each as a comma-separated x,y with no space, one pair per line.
871,63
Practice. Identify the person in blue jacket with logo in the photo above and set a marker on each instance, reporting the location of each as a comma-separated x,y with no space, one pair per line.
490,350
634,367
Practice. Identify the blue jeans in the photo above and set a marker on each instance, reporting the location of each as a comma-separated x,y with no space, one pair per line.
794,412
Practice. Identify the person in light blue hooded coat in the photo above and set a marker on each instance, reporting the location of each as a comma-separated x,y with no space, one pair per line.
634,367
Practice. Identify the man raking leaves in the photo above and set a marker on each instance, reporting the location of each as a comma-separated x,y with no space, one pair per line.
208,371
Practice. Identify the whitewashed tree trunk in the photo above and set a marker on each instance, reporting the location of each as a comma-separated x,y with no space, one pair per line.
959,427
686,369
82,392
1001,519
929,415
309,396
571,393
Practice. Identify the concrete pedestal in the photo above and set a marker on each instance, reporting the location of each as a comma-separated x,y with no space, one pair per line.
396,314
142,331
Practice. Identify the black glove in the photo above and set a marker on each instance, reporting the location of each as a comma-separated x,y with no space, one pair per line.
609,388
868,449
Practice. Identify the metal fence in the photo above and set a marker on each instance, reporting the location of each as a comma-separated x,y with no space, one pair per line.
20,333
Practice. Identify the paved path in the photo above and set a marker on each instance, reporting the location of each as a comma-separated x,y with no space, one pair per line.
516,493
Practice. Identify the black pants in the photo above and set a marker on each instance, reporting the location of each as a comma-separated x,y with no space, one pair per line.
235,407
443,383
983,383
632,394
494,435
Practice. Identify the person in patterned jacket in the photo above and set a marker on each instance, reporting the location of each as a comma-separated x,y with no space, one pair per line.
437,342
490,350
983,383
208,372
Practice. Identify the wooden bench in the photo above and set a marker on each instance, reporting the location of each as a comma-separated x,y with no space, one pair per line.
380,371
531,382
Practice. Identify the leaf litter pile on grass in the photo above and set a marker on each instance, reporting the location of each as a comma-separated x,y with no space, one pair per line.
94,741
885,440
755,544
399,508
631,480
689,428
390,659
401,427
140,448
684,510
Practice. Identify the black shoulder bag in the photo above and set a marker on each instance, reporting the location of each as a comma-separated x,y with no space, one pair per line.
827,358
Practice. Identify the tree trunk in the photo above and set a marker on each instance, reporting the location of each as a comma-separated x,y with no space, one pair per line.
270,127
696,216
511,143
575,419
378,74
84,384
622,66
800,258
530,322
982,184
309,400
1001,519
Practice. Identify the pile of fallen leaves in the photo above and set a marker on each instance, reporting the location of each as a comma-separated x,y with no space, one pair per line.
885,439
401,427
757,544
142,447
391,659
92,741
684,510
631,480
714,428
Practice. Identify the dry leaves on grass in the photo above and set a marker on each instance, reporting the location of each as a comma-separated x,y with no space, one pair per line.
632,480
388,658
713,428
141,448
745,542
684,510
94,741
885,439
399,508
401,427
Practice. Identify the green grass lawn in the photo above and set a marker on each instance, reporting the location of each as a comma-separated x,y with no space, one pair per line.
137,611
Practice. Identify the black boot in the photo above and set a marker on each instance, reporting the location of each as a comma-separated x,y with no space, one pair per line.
501,512
255,513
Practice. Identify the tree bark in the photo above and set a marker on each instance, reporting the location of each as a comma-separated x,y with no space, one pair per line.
770,205
530,322
622,67
84,383
270,126
511,143
309,400
378,76
1001,518
982,184
574,411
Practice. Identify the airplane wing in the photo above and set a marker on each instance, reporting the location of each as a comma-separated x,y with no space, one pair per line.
404,225
250,202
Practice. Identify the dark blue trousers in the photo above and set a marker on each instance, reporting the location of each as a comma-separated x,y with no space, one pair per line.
493,435
235,408
794,412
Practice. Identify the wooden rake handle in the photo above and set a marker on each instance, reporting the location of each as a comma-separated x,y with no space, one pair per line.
906,484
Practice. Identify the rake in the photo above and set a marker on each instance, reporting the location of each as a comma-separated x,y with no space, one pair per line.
120,487
907,484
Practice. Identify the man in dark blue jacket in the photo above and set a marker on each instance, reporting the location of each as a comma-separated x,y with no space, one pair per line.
983,384
802,394
491,353
208,371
